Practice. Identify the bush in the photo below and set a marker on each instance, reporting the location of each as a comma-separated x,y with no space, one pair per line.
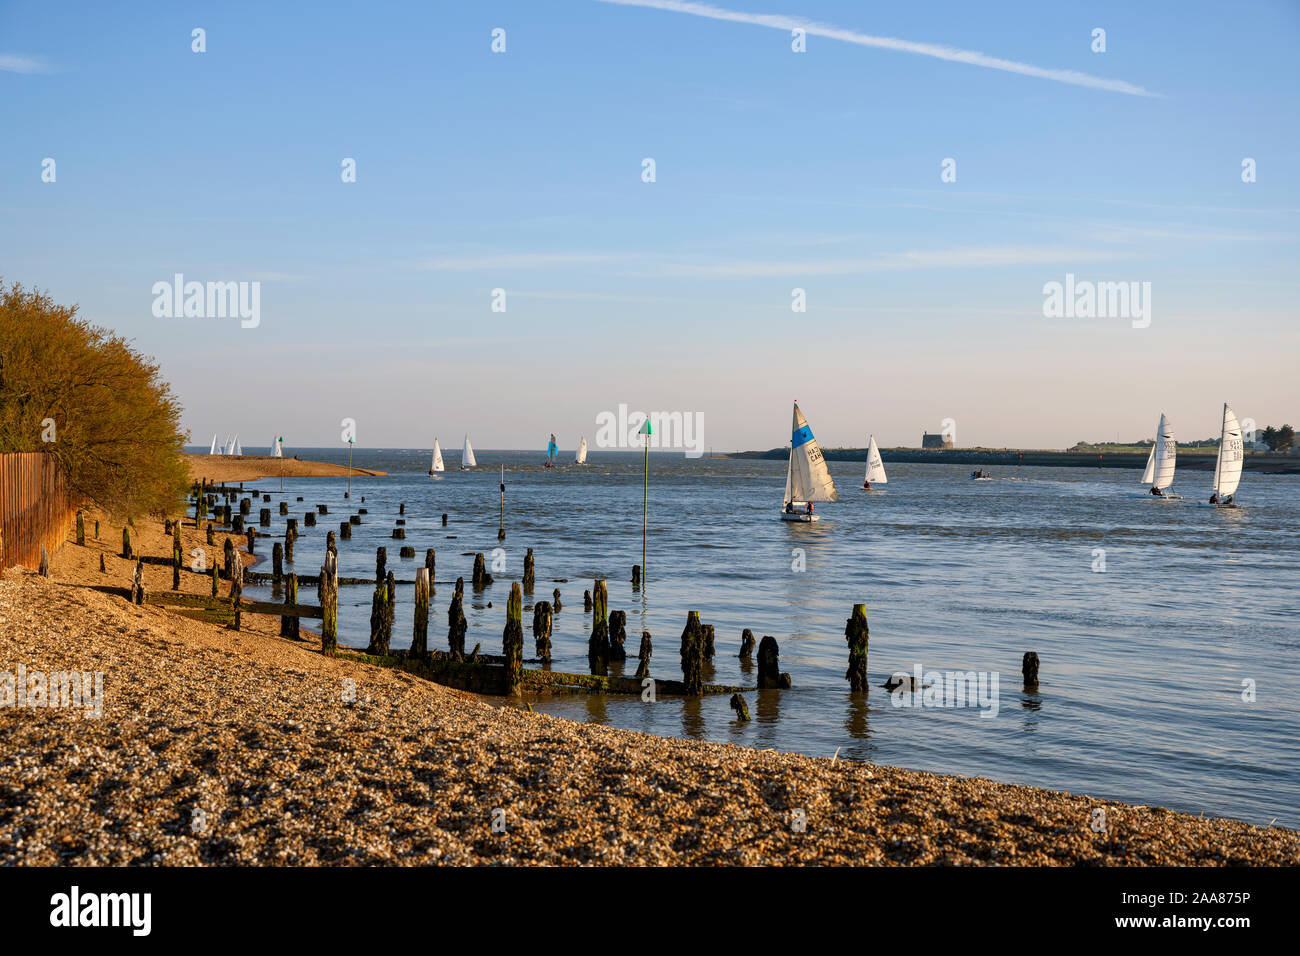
116,425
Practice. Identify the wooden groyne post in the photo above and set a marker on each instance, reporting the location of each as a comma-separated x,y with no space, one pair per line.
277,565
456,623
598,644
328,593
289,624
692,654
1029,670
542,622
706,631
643,668
430,563
126,544
746,645
528,572
769,665
176,559
857,635
617,635
512,641
420,632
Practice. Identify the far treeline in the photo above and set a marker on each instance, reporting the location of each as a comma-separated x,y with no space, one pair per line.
83,395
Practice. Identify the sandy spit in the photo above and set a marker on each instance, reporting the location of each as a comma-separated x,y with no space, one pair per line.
252,467
217,747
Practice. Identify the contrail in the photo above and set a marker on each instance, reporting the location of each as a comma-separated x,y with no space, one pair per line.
779,21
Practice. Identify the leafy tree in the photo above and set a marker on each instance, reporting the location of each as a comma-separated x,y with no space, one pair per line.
1278,439
83,395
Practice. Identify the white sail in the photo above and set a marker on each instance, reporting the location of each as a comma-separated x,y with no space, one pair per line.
213,449
225,446
437,458
1227,470
809,479
275,448
467,455
1151,467
1166,452
875,466
581,457
236,450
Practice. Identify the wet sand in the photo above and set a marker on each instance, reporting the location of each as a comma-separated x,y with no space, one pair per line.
252,467
224,747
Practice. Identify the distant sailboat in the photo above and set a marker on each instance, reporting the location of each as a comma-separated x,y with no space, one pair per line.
436,465
234,446
806,477
552,451
1164,456
275,448
213,449
581,457
1227,469
467,456
875,466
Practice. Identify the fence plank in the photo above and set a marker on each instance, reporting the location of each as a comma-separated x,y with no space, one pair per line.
36,509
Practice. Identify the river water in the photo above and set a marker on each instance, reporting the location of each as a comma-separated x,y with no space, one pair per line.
1154,620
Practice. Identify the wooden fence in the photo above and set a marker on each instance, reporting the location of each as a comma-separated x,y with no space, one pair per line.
35,508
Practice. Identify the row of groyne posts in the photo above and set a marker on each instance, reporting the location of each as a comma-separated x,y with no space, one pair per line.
473,670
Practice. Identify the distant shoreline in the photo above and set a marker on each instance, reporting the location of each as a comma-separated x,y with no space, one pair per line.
1187,460
253,467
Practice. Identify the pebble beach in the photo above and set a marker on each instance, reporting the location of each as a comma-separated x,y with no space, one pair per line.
246,748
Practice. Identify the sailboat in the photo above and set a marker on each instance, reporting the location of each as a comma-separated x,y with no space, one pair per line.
436,465
234,445
552,451
467,456
1159,472
806,477
875,467
581,457
213,449
275,448
1227,469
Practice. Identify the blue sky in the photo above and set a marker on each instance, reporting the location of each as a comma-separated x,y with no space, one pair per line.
774,170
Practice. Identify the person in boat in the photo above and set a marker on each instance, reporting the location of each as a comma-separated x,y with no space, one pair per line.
1214,498
1228,500
789,507
867,485
1157,492
810,507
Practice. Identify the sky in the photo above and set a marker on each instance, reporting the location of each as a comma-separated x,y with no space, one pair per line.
774,170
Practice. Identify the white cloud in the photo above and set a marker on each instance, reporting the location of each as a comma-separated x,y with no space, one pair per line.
970,258
520,260
11,63
779,21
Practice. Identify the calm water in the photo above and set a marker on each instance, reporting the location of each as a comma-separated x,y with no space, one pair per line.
1140,695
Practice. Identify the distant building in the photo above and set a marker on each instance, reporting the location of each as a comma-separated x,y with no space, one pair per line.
934,442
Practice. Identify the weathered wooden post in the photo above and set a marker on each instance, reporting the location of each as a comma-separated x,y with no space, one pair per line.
322,509
277,564
406,551
740,707
528,571
291,527
479,573
556,606
379,605
399,534
126,544
211,534
289,625
512,641
102,568
542,630
643,668
430,561
1029,670
251,535
456,623
420,633
617,635
354,519
284,507
81,528
227,555
330,544
345,530
328,591
245,505
236,596
401,508
769,665
746,645
636,577
288,545
137,583
176,561
215,574
309,519
692,653
706,632
43,569
264,517
586,600
237,524
857,635
598,644
96,529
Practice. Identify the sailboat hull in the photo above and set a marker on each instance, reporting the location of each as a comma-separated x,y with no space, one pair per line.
800,516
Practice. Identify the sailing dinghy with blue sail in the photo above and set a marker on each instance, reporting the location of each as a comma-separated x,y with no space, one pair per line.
807,480
552,451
